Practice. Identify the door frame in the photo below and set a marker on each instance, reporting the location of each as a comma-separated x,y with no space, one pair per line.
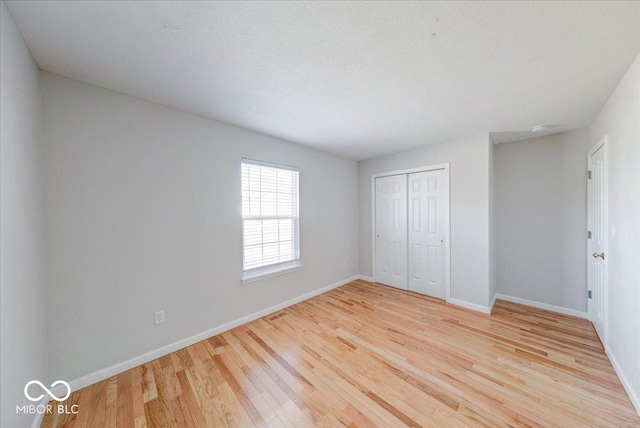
603,144
447,239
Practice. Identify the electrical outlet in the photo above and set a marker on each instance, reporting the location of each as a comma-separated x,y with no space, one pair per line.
159,317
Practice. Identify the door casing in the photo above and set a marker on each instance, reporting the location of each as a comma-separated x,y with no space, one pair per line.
447,243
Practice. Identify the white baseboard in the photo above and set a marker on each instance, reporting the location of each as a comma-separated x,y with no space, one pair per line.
633,395
539,305
468,305
365,278
115,369
493,303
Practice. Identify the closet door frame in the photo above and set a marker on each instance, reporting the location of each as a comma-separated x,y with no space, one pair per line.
447,241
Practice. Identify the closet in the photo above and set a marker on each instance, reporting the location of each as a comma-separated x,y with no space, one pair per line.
411,230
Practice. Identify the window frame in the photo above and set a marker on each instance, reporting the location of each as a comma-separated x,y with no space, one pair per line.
280,268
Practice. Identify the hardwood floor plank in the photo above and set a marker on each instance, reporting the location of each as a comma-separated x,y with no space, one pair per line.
124,401
209,403
366,355
189,403
247,384
166,392
140,419
237,390
111,411
98,402
395,412
148,383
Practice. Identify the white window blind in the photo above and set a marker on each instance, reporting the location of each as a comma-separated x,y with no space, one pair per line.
270,216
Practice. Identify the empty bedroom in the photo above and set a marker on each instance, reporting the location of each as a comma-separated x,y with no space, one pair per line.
315,213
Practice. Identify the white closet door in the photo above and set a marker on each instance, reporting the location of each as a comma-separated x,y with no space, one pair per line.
428,213
391,231
596,278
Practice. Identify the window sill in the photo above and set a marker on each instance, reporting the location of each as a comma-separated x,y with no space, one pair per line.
269,271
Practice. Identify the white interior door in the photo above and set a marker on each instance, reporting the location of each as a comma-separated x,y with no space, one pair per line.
596,244
391,231
428,213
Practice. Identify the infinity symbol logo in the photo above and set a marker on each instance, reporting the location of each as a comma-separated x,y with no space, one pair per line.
47,390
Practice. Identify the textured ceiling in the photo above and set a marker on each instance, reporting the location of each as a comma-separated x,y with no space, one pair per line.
353,78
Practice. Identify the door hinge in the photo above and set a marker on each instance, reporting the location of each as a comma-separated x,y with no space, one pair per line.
589,174
590,294
589,234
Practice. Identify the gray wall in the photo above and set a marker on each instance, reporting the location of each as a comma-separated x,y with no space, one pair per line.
469,171
620,120
142,207
542,221
22,284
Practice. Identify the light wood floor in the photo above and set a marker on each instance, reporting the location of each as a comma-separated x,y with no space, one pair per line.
369,355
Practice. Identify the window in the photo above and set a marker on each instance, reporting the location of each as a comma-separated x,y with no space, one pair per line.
271,240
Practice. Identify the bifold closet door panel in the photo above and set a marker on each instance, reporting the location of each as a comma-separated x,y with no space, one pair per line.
427,199
391,230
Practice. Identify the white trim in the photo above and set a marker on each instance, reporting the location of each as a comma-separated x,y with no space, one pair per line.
115,369
447,239
633,396
268,164
373,228
365,278
412,170
468,305
269,271
540,305
493,303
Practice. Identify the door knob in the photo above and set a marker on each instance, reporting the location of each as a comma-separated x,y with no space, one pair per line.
596,255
